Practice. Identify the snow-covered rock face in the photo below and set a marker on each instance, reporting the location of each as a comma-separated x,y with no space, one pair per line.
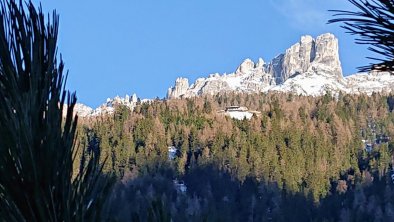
249,77
246,67
367,83
308,55
312,84
107,108
309,67
79,109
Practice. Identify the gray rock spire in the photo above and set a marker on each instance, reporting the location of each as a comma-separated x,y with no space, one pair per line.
180,88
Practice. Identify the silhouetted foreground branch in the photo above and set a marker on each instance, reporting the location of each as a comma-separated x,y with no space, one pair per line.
36,142
374,25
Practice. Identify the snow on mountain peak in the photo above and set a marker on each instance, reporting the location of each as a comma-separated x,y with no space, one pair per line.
246,67
107,108
260,64
306,39
309,67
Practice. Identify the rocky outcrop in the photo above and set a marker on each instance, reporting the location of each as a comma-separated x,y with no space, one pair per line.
309,67
79,109
180,88
368,83
327,56
246,66
248,77
314,55
296,60
310,55
106,108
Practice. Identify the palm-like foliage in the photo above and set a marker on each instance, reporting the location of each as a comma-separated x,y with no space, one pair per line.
36,141
374,25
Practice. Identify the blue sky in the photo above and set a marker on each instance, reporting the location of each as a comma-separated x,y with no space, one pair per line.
120,47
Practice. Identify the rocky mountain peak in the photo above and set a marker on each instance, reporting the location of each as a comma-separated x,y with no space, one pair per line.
306,39
317,55
327,55
180,88
134,98
260,64
106,108
306,57
246,67
309,67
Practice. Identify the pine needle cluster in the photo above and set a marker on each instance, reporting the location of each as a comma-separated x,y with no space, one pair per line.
373,23
37,140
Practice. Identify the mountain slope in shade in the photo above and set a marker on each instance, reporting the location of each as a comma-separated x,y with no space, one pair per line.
309,67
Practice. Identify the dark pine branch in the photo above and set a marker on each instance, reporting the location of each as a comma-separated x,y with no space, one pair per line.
373,24
36,138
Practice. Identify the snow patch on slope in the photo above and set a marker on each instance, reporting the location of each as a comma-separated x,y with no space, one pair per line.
310,67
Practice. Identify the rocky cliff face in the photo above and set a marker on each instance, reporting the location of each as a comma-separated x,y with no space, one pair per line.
309,67
368,83
249,77
180,88
320,54
106,108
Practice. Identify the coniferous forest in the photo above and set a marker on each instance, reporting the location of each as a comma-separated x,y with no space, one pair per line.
301,159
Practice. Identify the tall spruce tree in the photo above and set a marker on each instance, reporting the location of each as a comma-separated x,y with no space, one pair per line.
36,140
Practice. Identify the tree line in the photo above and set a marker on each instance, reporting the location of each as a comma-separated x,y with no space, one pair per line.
300,149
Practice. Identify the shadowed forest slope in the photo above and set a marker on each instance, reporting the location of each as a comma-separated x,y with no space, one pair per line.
301,158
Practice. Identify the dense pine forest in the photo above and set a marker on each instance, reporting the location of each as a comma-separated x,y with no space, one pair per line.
302,159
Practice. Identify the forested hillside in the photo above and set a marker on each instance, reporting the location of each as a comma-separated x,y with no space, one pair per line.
302,158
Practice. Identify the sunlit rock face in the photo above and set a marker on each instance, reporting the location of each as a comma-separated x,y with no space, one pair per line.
106,108
308,55
309,67
180,88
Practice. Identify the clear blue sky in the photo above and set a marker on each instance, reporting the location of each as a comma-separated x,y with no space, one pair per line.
125,46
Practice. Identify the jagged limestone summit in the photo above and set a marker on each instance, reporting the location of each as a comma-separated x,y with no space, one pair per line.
309,67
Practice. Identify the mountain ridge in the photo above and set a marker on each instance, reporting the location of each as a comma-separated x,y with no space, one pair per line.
310,67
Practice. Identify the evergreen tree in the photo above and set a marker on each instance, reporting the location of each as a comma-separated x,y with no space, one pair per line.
36,141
